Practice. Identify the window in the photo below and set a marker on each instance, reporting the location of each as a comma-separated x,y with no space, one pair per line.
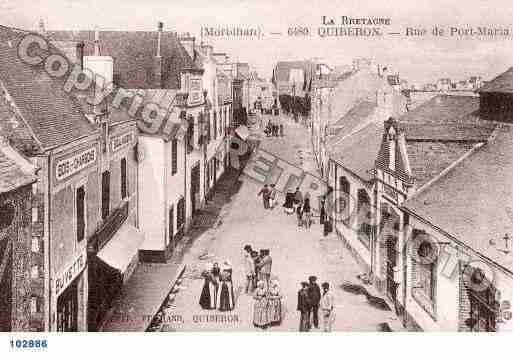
424,272
364,218
180,215
343,202
35,244
190,134
105,194
215,125
34,214
33,304
174,156
80,212
171,223
123,179
34,272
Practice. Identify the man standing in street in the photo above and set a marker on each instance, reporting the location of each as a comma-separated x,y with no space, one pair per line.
265,192
314,294
326,305
249,268
303,306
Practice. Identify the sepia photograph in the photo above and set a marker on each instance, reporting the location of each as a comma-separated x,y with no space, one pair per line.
255,166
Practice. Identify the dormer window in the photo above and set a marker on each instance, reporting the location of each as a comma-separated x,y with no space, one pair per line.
391,148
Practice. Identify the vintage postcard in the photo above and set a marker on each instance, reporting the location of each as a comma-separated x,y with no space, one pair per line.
255,166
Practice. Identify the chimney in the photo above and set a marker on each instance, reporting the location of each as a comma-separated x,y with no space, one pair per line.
159,38
157,61
187,42
80,54
96,41
41,27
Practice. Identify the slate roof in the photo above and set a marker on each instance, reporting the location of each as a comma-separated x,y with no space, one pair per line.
352,120
167,100
357,152
502,83
13,173
442,109
362,86
51,116
473,201
134,54
441,131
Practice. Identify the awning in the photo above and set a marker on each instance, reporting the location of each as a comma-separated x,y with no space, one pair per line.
243,132
122,248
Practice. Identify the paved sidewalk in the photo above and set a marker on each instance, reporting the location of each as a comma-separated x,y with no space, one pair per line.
149,286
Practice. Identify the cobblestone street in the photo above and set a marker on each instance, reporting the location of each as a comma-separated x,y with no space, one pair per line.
297,253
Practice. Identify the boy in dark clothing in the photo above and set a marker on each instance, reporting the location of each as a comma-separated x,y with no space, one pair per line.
314,295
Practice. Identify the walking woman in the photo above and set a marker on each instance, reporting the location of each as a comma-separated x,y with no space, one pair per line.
208,297
226,301
260,312
272,196
299,213
307,211
274,297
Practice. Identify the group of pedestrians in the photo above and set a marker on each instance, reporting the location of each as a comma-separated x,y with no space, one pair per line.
257,267
268,194
296,203
217,292
274,128
310,301
266,292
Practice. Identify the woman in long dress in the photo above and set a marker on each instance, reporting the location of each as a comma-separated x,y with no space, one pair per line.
289,202
208,297
260,311
226,301
274,298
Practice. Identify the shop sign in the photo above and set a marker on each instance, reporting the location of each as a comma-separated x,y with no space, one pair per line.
63,279
71,165
118,142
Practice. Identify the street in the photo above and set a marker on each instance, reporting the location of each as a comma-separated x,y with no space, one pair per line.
297,253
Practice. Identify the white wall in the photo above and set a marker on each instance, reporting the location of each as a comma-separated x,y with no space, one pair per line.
151,192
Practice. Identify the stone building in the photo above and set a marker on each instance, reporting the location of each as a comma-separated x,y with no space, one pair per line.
17,304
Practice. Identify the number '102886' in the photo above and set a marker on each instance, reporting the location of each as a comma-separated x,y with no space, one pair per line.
29,343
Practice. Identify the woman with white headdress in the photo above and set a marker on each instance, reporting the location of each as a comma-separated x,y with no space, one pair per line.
226,298
260,311
208,297
274,303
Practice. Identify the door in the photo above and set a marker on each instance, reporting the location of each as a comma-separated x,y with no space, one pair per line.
195,186
67,309
391,262
390,227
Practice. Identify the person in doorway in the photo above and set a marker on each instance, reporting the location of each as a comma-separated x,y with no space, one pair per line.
249,268
314,295
303,306
264,192
307,211
326,306
260,312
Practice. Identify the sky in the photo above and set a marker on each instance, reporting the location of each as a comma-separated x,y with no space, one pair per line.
417,59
